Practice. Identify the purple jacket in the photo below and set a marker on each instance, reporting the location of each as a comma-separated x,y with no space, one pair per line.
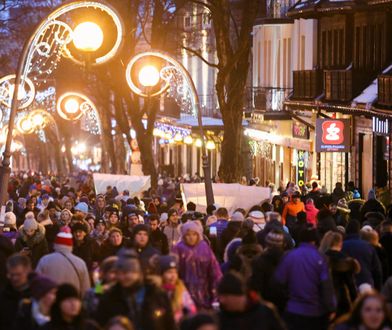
200,271
305,272
221,225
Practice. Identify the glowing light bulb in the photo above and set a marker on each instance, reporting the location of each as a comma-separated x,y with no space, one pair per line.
88,37
188,139
149,76
71,106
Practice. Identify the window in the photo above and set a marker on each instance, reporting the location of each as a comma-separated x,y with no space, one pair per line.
206,20
187,22
302,63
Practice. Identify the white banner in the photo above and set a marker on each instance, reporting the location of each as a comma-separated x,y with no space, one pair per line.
228,195
135,184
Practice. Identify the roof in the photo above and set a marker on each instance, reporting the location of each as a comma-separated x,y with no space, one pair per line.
315,8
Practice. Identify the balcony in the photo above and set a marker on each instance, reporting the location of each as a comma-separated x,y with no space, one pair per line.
343,85
267,99
307,84
385,90
278,8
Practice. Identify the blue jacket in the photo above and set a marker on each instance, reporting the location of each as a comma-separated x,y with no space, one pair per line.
371,271
305,273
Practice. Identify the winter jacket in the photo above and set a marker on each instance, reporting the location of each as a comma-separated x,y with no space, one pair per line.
6,249
88,250
386,242
64,267
145,255
36,245
366,255
275,224
9,302
258,316
200,271
291,209
29,317
146,306
343,269
311,214
305,272
159,241
173,234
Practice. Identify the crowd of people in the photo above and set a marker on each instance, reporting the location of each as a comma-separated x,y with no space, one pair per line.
303,259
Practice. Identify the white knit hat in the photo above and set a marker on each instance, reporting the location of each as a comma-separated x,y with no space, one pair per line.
10,219
30,224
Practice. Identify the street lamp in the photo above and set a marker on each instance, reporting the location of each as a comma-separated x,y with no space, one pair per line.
154,82
53,35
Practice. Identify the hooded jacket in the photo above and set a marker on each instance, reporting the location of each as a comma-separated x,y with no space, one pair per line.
36,244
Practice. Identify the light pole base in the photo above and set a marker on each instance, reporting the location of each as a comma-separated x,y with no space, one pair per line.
5,172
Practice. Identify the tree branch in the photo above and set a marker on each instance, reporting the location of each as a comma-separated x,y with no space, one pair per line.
196,53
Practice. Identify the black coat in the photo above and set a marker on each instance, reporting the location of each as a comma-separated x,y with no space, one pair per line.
159,241
275,224
9,302
386,242
24,319
88,251
256,317
262,279
6,249
151,309
343,269
145,255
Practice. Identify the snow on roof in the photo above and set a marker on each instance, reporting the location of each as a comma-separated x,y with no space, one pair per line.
370,93
207,121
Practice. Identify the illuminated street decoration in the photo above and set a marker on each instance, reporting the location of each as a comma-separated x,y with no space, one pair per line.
26,92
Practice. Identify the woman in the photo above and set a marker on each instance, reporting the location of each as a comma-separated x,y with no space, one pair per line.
311,212
342,268
65,217
35,312
113,244
66,312
181,301
100,233
198,267
9,230
31,241
370,312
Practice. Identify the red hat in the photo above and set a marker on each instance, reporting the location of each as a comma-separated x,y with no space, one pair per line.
64,237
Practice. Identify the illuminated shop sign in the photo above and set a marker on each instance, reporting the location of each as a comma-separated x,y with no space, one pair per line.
301,168
333,135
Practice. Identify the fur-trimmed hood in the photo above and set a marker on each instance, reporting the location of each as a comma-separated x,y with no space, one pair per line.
38,236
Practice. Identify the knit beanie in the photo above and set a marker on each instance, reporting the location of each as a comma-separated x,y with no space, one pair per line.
10,219
275,238
167,262
141,227
30,224
64,237
40,286
66,291
193,226
232,283
82,207
237,216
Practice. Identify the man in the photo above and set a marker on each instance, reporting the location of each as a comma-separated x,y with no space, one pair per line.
85,247
16,289
172,229
239,311
366,255
144,304
311,296
291,209
100,205
157,237
132,220
142,245
64,267
81,209
221,224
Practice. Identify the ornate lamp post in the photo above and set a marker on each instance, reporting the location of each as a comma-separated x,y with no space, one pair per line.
53,37
174,78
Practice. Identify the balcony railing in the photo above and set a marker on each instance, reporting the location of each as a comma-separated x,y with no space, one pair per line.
307,84
385,90
267,98
209,105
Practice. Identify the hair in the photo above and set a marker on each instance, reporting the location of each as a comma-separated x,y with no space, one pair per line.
275,216
18,260
241,210
44,214
314,184
355,318
191,206
115,230
330,239
121,321
153,217
353,227
210,209
222,213
370,236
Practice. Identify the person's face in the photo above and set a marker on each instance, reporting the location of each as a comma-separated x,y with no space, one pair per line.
109,277
91,223
174,218
100,227
113,219
233,303
156,201
101,203
295,200
52,212
133,220
191,238
333,208
71,307
30,205
49,298
154,225
45,201
116,327
128,278
29,232
65,217
116,239
68,205
79,235
18,276
372,313
22,204
285,199
170,276
141,238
